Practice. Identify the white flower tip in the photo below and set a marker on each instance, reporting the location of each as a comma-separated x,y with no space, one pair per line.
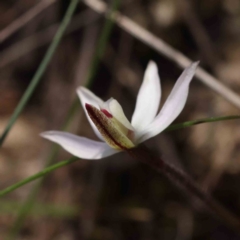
152,67
189,72
47,134
80,89
195,64
151,62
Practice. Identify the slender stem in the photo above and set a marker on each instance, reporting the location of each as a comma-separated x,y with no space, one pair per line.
37,175
200,121
30,200
132,152
9,207
36,79
41,69
100,48
186,183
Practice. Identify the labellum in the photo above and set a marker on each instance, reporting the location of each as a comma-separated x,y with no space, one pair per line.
113,132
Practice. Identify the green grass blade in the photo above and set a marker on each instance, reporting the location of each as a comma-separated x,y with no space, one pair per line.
9,208
200,121
64,163
36,78
37,175
41,69
29,203
100,49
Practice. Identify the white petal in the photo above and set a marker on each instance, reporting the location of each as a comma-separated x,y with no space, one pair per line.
79,146
173,105
148,98
113,106
87,96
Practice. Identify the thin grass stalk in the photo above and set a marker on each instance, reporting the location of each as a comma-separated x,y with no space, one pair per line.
51,168
37,176
41,69
9,208
30,200
200,121
100,49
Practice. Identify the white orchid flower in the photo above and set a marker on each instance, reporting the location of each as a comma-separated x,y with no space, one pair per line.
112,127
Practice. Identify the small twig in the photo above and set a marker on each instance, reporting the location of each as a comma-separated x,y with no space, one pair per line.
22,20
165,49
186,183
200,121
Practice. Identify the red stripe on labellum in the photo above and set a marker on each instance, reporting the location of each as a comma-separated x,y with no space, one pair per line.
108,114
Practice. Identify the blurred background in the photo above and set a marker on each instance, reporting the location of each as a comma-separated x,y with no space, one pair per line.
117,197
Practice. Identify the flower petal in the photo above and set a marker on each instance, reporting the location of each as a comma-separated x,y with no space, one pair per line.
87,96
79,146
173,105
113,106
148,98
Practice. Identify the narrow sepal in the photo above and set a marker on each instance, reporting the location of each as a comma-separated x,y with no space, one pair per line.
173,105
148,98
79,146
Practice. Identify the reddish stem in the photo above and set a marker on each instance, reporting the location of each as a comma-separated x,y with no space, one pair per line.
185,182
